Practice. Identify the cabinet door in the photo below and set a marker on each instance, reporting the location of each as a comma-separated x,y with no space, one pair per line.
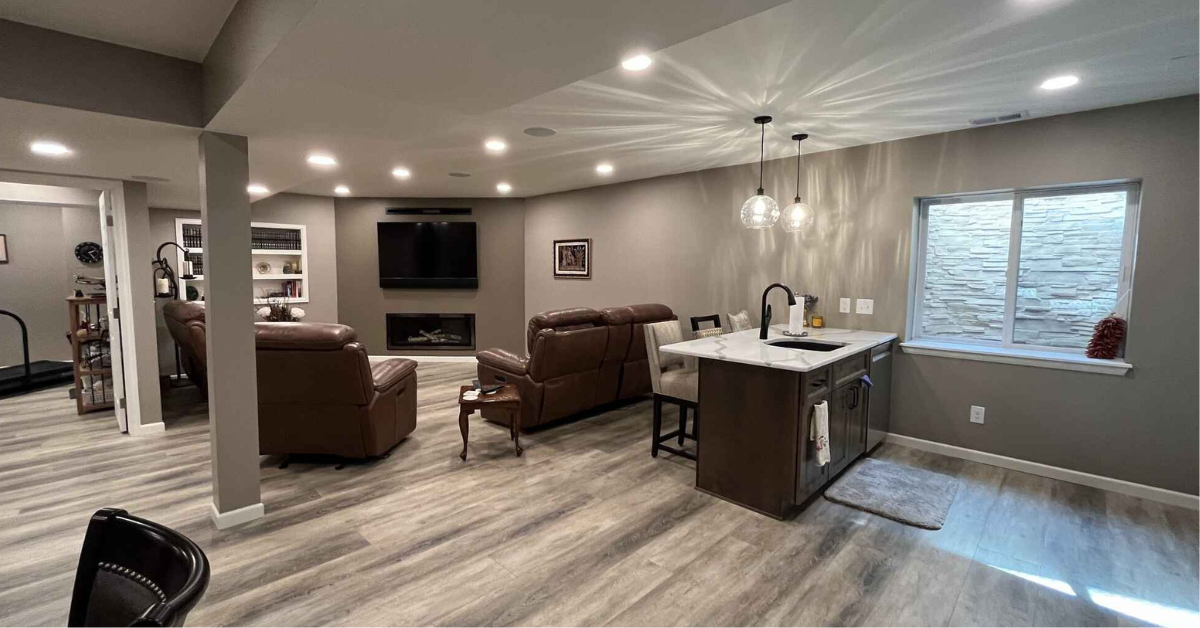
810,475
839,428
856,423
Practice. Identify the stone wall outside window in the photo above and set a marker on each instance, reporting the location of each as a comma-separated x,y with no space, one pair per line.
1068,274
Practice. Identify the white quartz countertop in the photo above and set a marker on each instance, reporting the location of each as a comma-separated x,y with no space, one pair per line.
746,348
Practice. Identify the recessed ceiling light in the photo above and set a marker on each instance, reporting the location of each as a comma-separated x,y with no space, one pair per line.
51,149
321,160
540,131
401,173
637,63
503,188
1060,82
255,188
341,190
604,169
495,146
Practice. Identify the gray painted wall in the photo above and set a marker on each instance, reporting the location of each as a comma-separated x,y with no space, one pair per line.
38,278
135,83
677,240
315,212
497,304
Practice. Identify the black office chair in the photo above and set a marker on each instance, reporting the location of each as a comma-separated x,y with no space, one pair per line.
134,572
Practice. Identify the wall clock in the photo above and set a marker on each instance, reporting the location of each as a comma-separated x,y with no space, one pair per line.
89,253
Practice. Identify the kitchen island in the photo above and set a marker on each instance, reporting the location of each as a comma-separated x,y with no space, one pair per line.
755,409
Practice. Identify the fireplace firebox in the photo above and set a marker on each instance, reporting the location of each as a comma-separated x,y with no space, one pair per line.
448,332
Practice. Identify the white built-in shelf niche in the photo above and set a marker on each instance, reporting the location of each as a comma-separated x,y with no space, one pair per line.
278,245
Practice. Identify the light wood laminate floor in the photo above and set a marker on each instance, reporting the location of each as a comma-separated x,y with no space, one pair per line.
586,528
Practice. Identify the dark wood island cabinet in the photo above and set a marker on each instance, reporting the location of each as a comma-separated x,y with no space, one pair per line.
755,449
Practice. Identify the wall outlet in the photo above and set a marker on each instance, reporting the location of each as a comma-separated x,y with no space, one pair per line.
977,414
844,305
864,306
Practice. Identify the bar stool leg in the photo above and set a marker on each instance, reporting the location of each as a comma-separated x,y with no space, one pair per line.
657,427
682,422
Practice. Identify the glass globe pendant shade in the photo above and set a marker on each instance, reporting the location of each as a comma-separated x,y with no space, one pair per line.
798,217
760,212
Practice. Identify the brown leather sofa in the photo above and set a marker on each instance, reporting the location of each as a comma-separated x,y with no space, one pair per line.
185,321
319,394
578,359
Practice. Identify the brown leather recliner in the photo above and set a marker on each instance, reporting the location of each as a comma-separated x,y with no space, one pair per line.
578,359
185,321
319,394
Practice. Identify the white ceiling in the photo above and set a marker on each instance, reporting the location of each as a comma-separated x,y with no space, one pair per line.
177,28
422,84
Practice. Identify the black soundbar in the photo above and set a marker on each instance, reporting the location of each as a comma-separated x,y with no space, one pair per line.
429,282
429,211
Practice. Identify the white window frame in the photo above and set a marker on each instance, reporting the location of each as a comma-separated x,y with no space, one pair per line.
1132,191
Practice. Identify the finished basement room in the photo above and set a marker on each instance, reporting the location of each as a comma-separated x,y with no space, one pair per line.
682,312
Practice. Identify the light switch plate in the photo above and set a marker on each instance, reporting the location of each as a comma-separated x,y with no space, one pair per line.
864,306
844,305
977,414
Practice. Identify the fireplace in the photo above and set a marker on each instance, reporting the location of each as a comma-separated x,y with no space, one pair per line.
447,332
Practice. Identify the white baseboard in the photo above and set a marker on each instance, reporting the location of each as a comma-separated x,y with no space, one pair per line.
1163,495
149,428
245,514
425,358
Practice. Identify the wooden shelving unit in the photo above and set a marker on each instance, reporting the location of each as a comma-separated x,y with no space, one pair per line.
91,354
273,243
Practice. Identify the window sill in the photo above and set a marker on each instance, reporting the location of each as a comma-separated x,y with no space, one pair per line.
1021,357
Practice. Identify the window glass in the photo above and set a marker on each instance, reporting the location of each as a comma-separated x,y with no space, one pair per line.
966,264
1070,267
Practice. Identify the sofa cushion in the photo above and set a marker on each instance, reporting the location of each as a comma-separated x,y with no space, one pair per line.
387,373
303,336
562,320
681,384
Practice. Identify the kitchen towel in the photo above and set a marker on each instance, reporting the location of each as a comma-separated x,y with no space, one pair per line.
796,320
819,432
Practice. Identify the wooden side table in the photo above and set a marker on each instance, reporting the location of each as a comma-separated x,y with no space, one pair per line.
507,398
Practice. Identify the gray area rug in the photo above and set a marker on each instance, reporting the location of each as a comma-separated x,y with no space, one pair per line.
906,494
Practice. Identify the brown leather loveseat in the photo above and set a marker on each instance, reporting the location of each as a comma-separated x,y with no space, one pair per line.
578,359
185,321
319,394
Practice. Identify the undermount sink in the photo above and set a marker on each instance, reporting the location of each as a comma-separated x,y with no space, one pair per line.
807,345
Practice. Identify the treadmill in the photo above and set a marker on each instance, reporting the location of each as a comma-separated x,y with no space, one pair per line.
30,376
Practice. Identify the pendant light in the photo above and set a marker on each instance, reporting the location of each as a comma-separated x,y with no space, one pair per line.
798,216
760,211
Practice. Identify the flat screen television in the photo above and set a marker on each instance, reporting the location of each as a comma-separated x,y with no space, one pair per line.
428,255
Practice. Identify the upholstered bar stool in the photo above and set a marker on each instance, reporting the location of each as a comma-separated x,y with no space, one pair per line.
740,321
676,380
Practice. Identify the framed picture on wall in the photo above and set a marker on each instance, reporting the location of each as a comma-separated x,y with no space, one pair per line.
3,249
573,259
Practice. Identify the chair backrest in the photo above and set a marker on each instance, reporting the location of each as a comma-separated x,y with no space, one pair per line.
713,319
557,353
185,322
740,321
311,363
134,572
658,335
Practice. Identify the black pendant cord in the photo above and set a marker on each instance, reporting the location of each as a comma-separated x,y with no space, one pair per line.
797,171
762,147
799,137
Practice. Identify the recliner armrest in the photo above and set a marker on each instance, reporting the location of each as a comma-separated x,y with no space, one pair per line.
386,373
504,360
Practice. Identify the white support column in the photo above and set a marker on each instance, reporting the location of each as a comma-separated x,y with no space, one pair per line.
229,321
